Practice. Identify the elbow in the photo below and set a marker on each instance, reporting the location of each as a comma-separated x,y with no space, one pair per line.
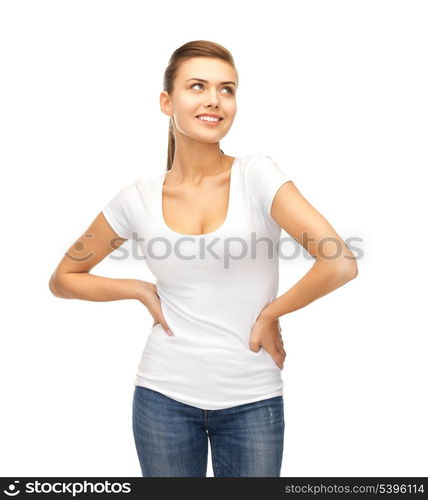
53,288
350,269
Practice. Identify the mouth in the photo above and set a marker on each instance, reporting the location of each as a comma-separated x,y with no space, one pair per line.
209,120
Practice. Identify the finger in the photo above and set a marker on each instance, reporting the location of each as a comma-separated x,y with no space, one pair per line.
283,354
279,346
255,346
166,328
276,355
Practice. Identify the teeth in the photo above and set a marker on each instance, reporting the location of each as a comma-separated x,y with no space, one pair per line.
208,118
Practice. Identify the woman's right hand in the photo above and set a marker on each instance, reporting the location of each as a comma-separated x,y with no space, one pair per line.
147,294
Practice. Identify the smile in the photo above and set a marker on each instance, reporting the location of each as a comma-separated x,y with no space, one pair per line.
209,120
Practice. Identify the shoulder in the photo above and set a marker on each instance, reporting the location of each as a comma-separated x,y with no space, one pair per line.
251,159
261,168
138,186
133,192
123,196
256,163
264,176
126,190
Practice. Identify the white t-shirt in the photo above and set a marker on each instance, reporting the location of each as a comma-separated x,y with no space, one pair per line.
212,287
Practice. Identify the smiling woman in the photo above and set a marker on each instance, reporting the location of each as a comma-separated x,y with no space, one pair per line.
209,227
201,79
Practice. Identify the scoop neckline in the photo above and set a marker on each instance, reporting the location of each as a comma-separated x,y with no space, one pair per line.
228,212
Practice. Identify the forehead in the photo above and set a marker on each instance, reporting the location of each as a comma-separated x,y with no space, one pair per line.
207,68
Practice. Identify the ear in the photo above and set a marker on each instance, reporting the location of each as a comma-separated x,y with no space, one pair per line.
165,103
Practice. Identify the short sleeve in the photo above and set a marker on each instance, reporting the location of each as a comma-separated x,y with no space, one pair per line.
118,212
265,177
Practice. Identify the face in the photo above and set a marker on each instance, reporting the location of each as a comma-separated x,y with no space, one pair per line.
192,97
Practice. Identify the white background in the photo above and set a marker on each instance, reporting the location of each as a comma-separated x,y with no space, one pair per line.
336,93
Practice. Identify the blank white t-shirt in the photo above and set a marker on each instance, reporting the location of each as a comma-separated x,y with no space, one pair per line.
212,287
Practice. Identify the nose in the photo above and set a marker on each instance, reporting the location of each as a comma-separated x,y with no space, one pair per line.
212,99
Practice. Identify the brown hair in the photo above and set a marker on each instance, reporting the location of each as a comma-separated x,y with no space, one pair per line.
196,48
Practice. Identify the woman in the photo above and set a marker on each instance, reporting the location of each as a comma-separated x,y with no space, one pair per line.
208,228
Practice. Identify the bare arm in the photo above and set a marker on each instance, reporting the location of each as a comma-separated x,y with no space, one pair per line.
335,264
72,279
86,286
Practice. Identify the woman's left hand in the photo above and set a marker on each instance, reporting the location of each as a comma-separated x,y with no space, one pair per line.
266,333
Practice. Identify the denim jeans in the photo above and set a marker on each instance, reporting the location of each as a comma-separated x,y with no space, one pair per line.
171,437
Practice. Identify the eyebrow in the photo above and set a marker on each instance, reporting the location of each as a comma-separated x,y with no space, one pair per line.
206,81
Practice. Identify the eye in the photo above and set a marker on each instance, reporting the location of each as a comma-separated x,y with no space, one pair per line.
231,90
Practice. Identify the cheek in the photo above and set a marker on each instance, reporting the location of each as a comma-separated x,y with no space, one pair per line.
230,108
186,110
184,116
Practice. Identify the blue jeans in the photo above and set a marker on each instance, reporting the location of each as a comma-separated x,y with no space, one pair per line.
171,437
